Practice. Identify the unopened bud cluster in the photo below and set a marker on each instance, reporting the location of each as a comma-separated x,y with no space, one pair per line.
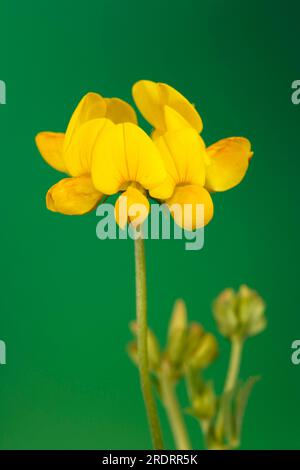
188,345
239,314
190,349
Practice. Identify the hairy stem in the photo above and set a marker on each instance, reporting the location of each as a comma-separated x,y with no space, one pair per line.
142,331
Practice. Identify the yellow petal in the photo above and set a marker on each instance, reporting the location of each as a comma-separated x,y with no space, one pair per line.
125,154
78,155
185,209
183,153
164,190
131,207
119,111
73,196
50,145
151,97
173,120
228,163
91,106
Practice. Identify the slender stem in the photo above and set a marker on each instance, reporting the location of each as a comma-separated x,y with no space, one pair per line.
234,364
142,331
230,382
173,410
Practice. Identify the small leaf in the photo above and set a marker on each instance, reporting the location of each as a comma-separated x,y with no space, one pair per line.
241,401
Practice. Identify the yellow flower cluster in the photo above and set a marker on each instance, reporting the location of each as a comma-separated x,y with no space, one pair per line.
105,152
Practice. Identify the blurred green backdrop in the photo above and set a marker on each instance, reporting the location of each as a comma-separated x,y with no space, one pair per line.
66,297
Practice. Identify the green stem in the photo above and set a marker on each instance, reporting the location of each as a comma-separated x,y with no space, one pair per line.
234,364
230,382
173,410
142,332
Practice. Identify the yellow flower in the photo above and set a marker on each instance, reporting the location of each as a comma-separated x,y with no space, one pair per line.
71,152
125,159
183,152
104,152
194,170
151,99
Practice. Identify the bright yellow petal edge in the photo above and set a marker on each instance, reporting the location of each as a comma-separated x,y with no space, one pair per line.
228,162
50,146
151,99
73,196
95,106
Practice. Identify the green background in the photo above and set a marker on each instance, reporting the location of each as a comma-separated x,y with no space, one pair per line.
66,297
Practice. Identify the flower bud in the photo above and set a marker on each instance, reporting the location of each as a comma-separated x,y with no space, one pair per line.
224,308
251,311
205,353
177,333
194,335
154,355
205,403
239,314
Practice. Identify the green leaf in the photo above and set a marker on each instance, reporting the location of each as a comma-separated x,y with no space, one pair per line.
241,400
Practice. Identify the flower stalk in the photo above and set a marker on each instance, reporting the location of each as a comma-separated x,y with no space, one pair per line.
173,410
142,349
230,381
234,364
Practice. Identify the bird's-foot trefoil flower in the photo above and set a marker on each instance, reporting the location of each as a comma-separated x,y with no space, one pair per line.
183,152
225,162
71,152
105,153
126,160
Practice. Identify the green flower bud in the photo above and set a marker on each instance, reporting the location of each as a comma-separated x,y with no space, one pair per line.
239,314
177,333
251,311
205,353
224,308
205,403
194,336
154,355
